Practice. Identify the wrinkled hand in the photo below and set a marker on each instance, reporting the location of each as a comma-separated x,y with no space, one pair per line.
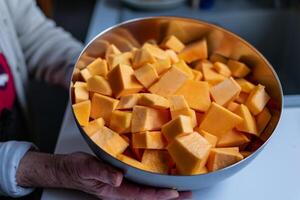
84,172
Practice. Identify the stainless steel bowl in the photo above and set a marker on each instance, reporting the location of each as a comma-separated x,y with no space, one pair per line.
133,33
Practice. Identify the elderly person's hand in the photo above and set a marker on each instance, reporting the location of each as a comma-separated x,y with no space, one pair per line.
81,171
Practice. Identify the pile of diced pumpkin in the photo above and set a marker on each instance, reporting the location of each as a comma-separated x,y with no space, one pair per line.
170,108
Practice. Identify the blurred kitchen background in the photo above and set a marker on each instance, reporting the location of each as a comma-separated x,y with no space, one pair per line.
272,26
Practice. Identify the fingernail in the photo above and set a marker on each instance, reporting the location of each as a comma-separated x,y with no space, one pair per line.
166,194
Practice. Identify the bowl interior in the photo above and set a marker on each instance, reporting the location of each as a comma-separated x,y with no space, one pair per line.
134,33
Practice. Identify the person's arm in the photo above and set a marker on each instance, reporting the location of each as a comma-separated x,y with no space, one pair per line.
50,52
81,171
10,155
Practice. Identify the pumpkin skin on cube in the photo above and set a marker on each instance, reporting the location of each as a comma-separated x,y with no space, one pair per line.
156,160
82,112
190,152
122,81
180,125
109,141
227,120
94,126
222,157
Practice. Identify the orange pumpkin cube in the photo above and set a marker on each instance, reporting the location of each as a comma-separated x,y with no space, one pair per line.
98,67
148,140
146,75
153,101
194,51
172,42
226,119
185,68
156,160
190,152
215,57
257,100
248,125
99,85
222,69
233,138
122,81
132,162
128,101
120,121
82,112
238,69
142,57
262,120
94,126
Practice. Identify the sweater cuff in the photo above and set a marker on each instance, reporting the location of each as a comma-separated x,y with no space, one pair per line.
11,154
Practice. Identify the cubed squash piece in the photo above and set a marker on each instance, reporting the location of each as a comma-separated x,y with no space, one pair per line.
148,140
169,82
232,106
155,51
147,119
109,141
80,94
222,69
194,51
156,160
80,84
142,57
99,85
226,120
209,74
189,152
215,57
172,56
238,69
180,125
120,121
248,125
132,162
85,74
179,106
212,139
146,75
111,50
82,112
202,170
98,67
262,120
94,126
153,101
197,75
225,91
245,154
242,98
223,157
172,42
103,106
233,138
246,86
162,66
122,81
196,94
128,101
257,99
119,59
185,68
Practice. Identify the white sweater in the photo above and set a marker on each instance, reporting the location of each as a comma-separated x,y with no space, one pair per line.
32,45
